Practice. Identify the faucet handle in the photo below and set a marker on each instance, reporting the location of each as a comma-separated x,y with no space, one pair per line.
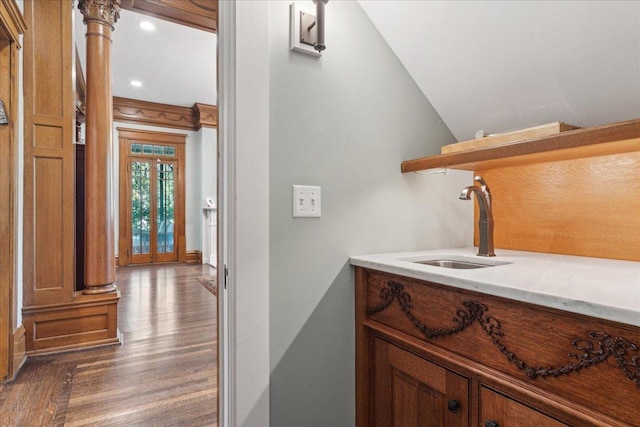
480,179
483,187
483,184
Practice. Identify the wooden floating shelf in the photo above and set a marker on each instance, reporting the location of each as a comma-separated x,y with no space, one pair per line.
622,137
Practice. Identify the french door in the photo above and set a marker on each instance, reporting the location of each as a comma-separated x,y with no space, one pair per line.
152,215
152,197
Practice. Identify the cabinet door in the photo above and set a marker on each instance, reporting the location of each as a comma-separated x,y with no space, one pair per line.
411,391
497,410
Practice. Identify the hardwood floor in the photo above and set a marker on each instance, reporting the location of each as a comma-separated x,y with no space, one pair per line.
164,374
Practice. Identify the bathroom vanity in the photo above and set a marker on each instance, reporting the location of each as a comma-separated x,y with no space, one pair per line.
535,339
524,339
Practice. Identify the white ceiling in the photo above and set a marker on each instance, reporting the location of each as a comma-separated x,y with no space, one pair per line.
175,63
490,65
505,65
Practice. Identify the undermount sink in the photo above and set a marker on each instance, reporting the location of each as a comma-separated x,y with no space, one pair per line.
454,262
449,263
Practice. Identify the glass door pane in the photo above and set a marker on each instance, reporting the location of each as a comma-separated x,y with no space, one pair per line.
165,188
140,207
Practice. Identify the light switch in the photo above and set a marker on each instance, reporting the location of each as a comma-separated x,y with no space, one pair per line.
306,201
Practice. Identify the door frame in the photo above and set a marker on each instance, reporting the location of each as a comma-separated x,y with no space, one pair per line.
126,137
243,221
12,351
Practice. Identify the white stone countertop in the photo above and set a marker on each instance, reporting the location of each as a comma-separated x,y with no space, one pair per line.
603,288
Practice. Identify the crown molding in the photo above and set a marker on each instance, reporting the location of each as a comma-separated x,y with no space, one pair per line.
164,115
207,115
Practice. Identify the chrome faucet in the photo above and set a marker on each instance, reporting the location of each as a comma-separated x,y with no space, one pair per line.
485,223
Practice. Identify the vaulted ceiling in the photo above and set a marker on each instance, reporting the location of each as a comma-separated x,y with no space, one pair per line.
504,65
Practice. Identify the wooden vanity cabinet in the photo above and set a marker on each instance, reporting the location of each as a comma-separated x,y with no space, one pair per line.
428,354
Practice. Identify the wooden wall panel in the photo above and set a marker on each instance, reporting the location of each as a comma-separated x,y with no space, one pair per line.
49,251
48,137
85,322
48,43
585,207
49,114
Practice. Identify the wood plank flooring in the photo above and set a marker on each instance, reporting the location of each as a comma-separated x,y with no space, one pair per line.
165,373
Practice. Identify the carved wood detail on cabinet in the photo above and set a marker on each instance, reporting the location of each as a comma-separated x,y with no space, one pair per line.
572,369
590,350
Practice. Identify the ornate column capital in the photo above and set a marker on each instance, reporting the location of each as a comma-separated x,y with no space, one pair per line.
104,11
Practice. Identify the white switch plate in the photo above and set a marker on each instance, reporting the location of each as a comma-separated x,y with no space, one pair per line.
306,201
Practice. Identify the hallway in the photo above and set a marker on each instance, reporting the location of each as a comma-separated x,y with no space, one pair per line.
165,373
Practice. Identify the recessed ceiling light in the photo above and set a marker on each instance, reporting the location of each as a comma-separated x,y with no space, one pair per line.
136,83
147,25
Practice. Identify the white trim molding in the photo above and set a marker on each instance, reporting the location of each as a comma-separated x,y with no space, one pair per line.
243,189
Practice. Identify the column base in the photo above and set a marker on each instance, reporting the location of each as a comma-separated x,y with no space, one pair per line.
87,321
100,289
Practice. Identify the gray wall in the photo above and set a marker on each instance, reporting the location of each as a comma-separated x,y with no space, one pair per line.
343,122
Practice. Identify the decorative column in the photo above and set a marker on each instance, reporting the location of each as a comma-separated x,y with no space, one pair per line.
100,272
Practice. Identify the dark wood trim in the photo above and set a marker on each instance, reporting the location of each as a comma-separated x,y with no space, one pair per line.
127,110
194,256
201,14
622,137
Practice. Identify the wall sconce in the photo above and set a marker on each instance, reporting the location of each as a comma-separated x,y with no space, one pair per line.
307,29
319,25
